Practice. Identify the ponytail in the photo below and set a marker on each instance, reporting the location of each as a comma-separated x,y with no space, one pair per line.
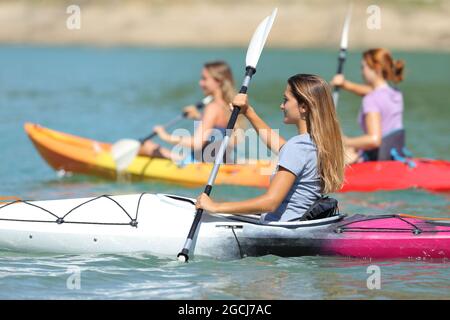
399,65
381,60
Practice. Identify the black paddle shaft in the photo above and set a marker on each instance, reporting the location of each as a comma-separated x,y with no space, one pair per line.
249,72
341,60
200,105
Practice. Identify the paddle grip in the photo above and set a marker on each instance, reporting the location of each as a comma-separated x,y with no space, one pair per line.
208,189
233,118
341,60
249,72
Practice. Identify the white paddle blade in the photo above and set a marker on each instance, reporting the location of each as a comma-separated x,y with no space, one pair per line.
258,40
335,98
207,100
124,151
345,30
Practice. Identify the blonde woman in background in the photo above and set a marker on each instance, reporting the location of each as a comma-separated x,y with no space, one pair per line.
216,81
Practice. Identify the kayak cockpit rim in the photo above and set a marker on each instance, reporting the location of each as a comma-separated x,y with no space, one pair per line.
253,219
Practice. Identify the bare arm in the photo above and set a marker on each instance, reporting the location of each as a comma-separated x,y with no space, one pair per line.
201,134
372,139
270,137
268,202
192,112
358,89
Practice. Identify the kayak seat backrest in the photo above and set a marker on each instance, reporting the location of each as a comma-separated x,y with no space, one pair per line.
324,207
394,140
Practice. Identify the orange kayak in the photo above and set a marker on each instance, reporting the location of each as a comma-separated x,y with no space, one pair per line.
75,154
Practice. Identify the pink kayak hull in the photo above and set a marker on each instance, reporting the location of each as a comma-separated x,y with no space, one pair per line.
391,237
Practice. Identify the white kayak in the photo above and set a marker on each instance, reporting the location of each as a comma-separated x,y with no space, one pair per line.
159,224
153,223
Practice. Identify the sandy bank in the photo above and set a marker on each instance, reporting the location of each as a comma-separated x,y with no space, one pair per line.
225,23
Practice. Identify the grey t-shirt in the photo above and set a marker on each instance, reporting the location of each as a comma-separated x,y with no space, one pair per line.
299,156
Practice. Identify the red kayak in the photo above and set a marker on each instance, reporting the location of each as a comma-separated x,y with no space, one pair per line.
432,175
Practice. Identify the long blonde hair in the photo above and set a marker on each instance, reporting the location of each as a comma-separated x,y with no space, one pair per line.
323,126
221,72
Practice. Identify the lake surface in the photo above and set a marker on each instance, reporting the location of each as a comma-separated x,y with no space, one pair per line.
111,93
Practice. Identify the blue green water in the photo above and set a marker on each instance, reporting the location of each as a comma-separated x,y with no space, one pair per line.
112,93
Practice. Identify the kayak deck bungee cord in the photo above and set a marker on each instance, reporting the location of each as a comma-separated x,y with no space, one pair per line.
154,223
60,220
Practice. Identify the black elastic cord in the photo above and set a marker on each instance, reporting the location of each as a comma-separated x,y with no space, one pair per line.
139,203
69,222
416,230
374,230
59,220
145,166
99,197
410,223
238,244
30,204
369,219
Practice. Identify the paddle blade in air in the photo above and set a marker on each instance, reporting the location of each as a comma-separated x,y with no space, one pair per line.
258,40
124,151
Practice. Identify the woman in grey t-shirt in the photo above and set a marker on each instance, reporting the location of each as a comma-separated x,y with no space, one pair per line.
310,163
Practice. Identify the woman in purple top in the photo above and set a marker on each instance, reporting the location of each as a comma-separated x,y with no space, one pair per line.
382,105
